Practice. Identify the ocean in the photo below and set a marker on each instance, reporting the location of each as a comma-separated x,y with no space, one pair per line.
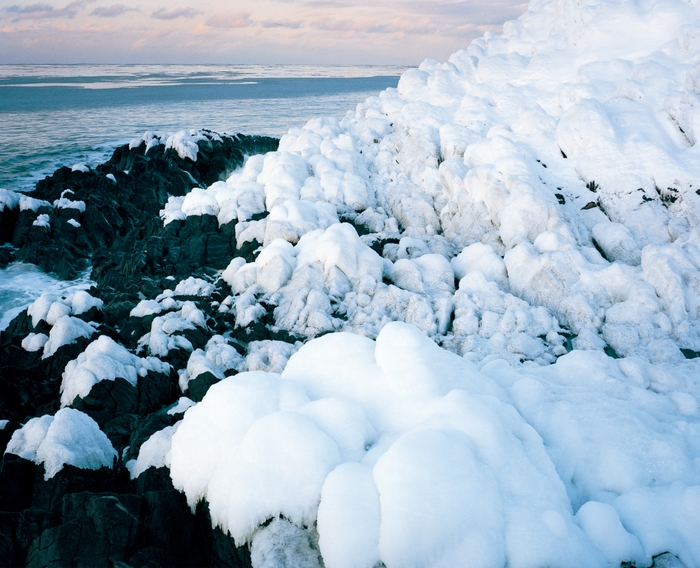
60,115
53,115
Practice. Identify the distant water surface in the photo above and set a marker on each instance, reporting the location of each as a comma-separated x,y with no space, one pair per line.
52,115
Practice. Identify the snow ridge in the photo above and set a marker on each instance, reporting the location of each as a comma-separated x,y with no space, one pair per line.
531,206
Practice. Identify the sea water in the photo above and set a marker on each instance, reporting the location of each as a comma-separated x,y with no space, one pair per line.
53,115
60,115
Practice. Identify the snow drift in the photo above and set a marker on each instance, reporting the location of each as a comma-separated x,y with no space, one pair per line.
495,272
535,194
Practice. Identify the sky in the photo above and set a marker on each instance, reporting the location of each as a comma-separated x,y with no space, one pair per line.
398,32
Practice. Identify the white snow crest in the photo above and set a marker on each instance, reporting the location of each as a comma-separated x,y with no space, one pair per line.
154,452
68,438
104,360
184,142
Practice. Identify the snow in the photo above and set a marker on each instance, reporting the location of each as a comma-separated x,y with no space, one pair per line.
217,358
70,437
34,342
21,284
104,360
65,331
495,269
559,164
184,143
282,543
154,452
58,311
412,456
194,287
65,203
164,329
183,403
43,221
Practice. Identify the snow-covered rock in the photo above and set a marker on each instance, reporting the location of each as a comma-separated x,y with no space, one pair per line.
70,437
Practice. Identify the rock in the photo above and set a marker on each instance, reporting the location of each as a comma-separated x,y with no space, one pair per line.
101,517
18,474
199,386
97,529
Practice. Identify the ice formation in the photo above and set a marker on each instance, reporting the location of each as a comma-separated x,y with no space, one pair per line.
58,312
487,287
104,360
530,209
68,438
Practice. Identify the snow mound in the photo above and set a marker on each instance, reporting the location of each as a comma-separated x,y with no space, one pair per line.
154,452
68,438
58,312
401,452
104,360
217,358
553,166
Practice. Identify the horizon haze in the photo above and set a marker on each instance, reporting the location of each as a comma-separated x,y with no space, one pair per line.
397,32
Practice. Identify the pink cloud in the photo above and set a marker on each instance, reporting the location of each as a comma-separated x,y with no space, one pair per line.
229,20
111,11
163,14
45,11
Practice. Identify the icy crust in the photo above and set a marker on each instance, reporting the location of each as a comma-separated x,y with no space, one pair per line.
59,312
217,358
154,452
11,200
564,149
70,437
398,451
104,360
184,142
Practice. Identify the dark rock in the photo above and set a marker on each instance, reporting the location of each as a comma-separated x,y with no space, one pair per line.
7,255
27,381
8,221
156,390
31,523
9,553
199,386
16,483
144,428
48,493
6,434
119,429
108,399
97,529
101,518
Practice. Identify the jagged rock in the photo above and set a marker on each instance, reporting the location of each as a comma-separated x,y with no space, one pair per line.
144,428
98,518
199,386
97,529
18,474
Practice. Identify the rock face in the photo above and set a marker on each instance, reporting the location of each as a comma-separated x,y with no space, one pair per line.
108,218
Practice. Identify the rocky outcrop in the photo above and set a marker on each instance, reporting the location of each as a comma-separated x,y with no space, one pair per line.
108,218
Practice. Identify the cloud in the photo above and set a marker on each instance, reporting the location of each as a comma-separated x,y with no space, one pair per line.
229,20
375,25
292,24
111,11
45,11
476,12
163,14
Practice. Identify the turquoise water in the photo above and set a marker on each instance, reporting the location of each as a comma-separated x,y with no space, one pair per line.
53,115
